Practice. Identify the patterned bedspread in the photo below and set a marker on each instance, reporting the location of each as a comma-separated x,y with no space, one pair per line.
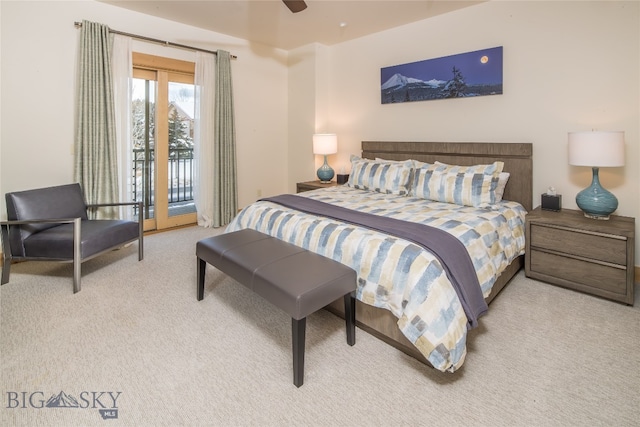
396,274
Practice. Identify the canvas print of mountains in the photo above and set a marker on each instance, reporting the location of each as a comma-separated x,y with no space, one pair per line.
477,73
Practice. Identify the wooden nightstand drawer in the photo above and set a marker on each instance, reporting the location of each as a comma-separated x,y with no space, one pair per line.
567,249
607,248
596,276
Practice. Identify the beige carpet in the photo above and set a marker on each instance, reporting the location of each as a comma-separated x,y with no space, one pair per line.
543,356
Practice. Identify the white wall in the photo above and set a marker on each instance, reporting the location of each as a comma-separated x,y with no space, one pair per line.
39,45
301,115
568,66
309,110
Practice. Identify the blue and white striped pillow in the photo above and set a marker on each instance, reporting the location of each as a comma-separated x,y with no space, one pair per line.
381,176
462,185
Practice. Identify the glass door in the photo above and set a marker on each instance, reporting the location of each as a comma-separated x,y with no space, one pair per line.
180,167
163,106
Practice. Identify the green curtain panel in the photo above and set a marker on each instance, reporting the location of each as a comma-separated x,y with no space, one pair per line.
225,186
95,166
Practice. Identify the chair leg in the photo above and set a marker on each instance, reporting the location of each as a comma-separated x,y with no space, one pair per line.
6,254
350,317
76,277
201,270
77,261
6,269
141,233
140,249
298,328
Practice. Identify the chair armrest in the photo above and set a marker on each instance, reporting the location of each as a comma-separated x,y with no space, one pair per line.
4,233
138,204
100,205
40,221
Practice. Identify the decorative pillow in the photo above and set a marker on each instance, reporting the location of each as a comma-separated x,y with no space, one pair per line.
381,176
503,178
418,164
378,159
496,167
463,185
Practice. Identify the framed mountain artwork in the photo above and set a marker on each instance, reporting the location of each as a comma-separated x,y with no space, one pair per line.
477,73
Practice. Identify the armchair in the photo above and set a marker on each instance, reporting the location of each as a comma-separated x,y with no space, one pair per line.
51,224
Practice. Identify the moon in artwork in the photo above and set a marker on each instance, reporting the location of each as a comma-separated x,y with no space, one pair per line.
484,59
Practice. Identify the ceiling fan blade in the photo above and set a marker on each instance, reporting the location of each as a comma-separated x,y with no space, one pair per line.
295,6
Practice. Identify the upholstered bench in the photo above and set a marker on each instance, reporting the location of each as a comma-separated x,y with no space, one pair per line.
297,281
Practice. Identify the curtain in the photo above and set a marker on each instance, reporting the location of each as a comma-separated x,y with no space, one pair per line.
122,79
95,163
214,141
225,185
203,138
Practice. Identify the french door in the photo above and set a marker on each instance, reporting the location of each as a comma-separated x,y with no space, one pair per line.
163,107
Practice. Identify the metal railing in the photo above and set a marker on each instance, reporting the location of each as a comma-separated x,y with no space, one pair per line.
180,184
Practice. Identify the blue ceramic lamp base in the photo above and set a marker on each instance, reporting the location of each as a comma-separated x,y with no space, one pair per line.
325,172
595,201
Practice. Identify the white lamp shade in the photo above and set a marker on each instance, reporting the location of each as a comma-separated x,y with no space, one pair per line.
596,149
325,143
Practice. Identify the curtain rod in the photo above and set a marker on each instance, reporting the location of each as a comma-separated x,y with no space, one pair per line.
152,40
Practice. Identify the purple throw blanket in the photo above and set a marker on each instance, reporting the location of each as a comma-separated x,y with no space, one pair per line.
446,248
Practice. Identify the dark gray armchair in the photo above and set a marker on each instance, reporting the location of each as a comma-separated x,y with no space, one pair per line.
52,224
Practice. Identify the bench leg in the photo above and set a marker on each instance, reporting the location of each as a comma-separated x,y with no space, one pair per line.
201,269
350,317
297,339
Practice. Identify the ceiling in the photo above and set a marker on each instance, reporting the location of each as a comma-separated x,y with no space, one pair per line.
270,22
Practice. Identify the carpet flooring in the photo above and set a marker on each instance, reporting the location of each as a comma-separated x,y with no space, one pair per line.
135,348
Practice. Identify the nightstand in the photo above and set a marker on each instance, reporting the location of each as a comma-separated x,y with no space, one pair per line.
313,185
589,255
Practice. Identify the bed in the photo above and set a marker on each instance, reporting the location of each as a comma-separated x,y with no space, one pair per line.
410,296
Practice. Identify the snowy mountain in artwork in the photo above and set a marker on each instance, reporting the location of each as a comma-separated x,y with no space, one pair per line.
399,81
435,83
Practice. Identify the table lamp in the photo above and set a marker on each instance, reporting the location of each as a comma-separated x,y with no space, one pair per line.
596,149
325,144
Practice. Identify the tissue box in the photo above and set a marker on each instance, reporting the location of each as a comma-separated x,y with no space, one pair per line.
551,203
342,179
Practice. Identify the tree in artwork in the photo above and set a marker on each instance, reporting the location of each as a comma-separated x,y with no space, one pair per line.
455,87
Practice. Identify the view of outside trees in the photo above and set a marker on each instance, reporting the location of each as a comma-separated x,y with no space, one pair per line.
181,112
141,117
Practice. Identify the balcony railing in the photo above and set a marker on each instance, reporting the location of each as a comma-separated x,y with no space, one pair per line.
180,183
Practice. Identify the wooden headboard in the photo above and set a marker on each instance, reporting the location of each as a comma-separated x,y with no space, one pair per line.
517,158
